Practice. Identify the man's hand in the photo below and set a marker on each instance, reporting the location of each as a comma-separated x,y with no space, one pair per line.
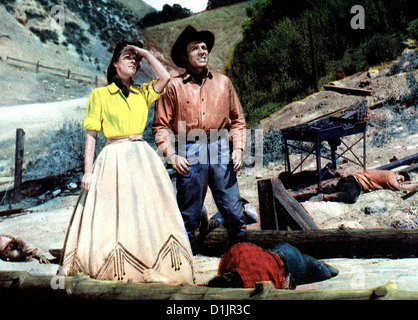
237,158
180,164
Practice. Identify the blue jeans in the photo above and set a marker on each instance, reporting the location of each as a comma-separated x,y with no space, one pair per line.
211,166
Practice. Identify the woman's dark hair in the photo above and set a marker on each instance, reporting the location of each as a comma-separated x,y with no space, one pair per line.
226,280
111,70
18,246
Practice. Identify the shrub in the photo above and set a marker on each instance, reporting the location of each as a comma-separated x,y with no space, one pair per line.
66,151
169,13
45,35
273,147
75,35
413,29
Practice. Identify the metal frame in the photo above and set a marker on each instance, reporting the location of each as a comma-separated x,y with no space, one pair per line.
317,132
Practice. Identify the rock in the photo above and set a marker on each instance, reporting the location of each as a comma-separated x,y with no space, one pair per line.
373,74
72,186
56,192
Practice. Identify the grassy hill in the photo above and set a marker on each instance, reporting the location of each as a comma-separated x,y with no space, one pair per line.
83,44
139,8
225,22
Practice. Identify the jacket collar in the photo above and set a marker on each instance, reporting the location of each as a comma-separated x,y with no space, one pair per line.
187,76
113,88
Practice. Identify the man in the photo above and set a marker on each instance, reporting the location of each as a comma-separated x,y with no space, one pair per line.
201,109
349,188
285,266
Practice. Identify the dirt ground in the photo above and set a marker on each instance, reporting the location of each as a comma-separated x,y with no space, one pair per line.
45,225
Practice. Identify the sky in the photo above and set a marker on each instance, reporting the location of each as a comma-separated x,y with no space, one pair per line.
193,5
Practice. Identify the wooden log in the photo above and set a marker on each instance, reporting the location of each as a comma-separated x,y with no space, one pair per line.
20,284
404,161
329,243
10,212
32,188
352,91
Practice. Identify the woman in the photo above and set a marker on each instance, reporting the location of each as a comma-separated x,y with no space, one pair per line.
126,224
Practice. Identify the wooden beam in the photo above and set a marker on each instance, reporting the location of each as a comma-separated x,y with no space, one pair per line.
401,162
352,91
21,285
292,207
329,243
268,218
279,210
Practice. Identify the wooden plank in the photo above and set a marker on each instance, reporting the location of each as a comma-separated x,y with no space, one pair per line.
268,219
329,243
347,90
279,210
10,212
291,206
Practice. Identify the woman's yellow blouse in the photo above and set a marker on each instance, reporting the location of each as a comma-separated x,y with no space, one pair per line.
108,110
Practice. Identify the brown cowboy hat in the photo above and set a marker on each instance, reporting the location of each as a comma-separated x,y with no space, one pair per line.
188,35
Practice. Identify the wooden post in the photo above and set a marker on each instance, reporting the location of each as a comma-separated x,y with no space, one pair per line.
268,218
20,135
37,67
68,74
279,210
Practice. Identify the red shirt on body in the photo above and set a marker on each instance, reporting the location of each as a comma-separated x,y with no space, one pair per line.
254,264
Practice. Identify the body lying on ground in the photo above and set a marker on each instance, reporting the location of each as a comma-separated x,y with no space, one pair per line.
348,188
16,250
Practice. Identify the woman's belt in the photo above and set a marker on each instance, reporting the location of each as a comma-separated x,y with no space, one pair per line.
134,137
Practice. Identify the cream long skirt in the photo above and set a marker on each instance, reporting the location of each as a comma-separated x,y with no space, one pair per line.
129,220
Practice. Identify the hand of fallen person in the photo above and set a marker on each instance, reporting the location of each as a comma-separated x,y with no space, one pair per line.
43,259
237,159
179,163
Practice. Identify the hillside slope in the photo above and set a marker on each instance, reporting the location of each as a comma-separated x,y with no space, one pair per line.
138,7
225,22
82,43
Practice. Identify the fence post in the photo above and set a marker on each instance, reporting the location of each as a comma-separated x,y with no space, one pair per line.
37,67
68,74
20,135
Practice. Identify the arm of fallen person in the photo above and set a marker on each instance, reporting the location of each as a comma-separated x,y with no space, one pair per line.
409,185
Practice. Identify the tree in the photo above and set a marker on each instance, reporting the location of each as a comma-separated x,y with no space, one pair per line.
271,66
